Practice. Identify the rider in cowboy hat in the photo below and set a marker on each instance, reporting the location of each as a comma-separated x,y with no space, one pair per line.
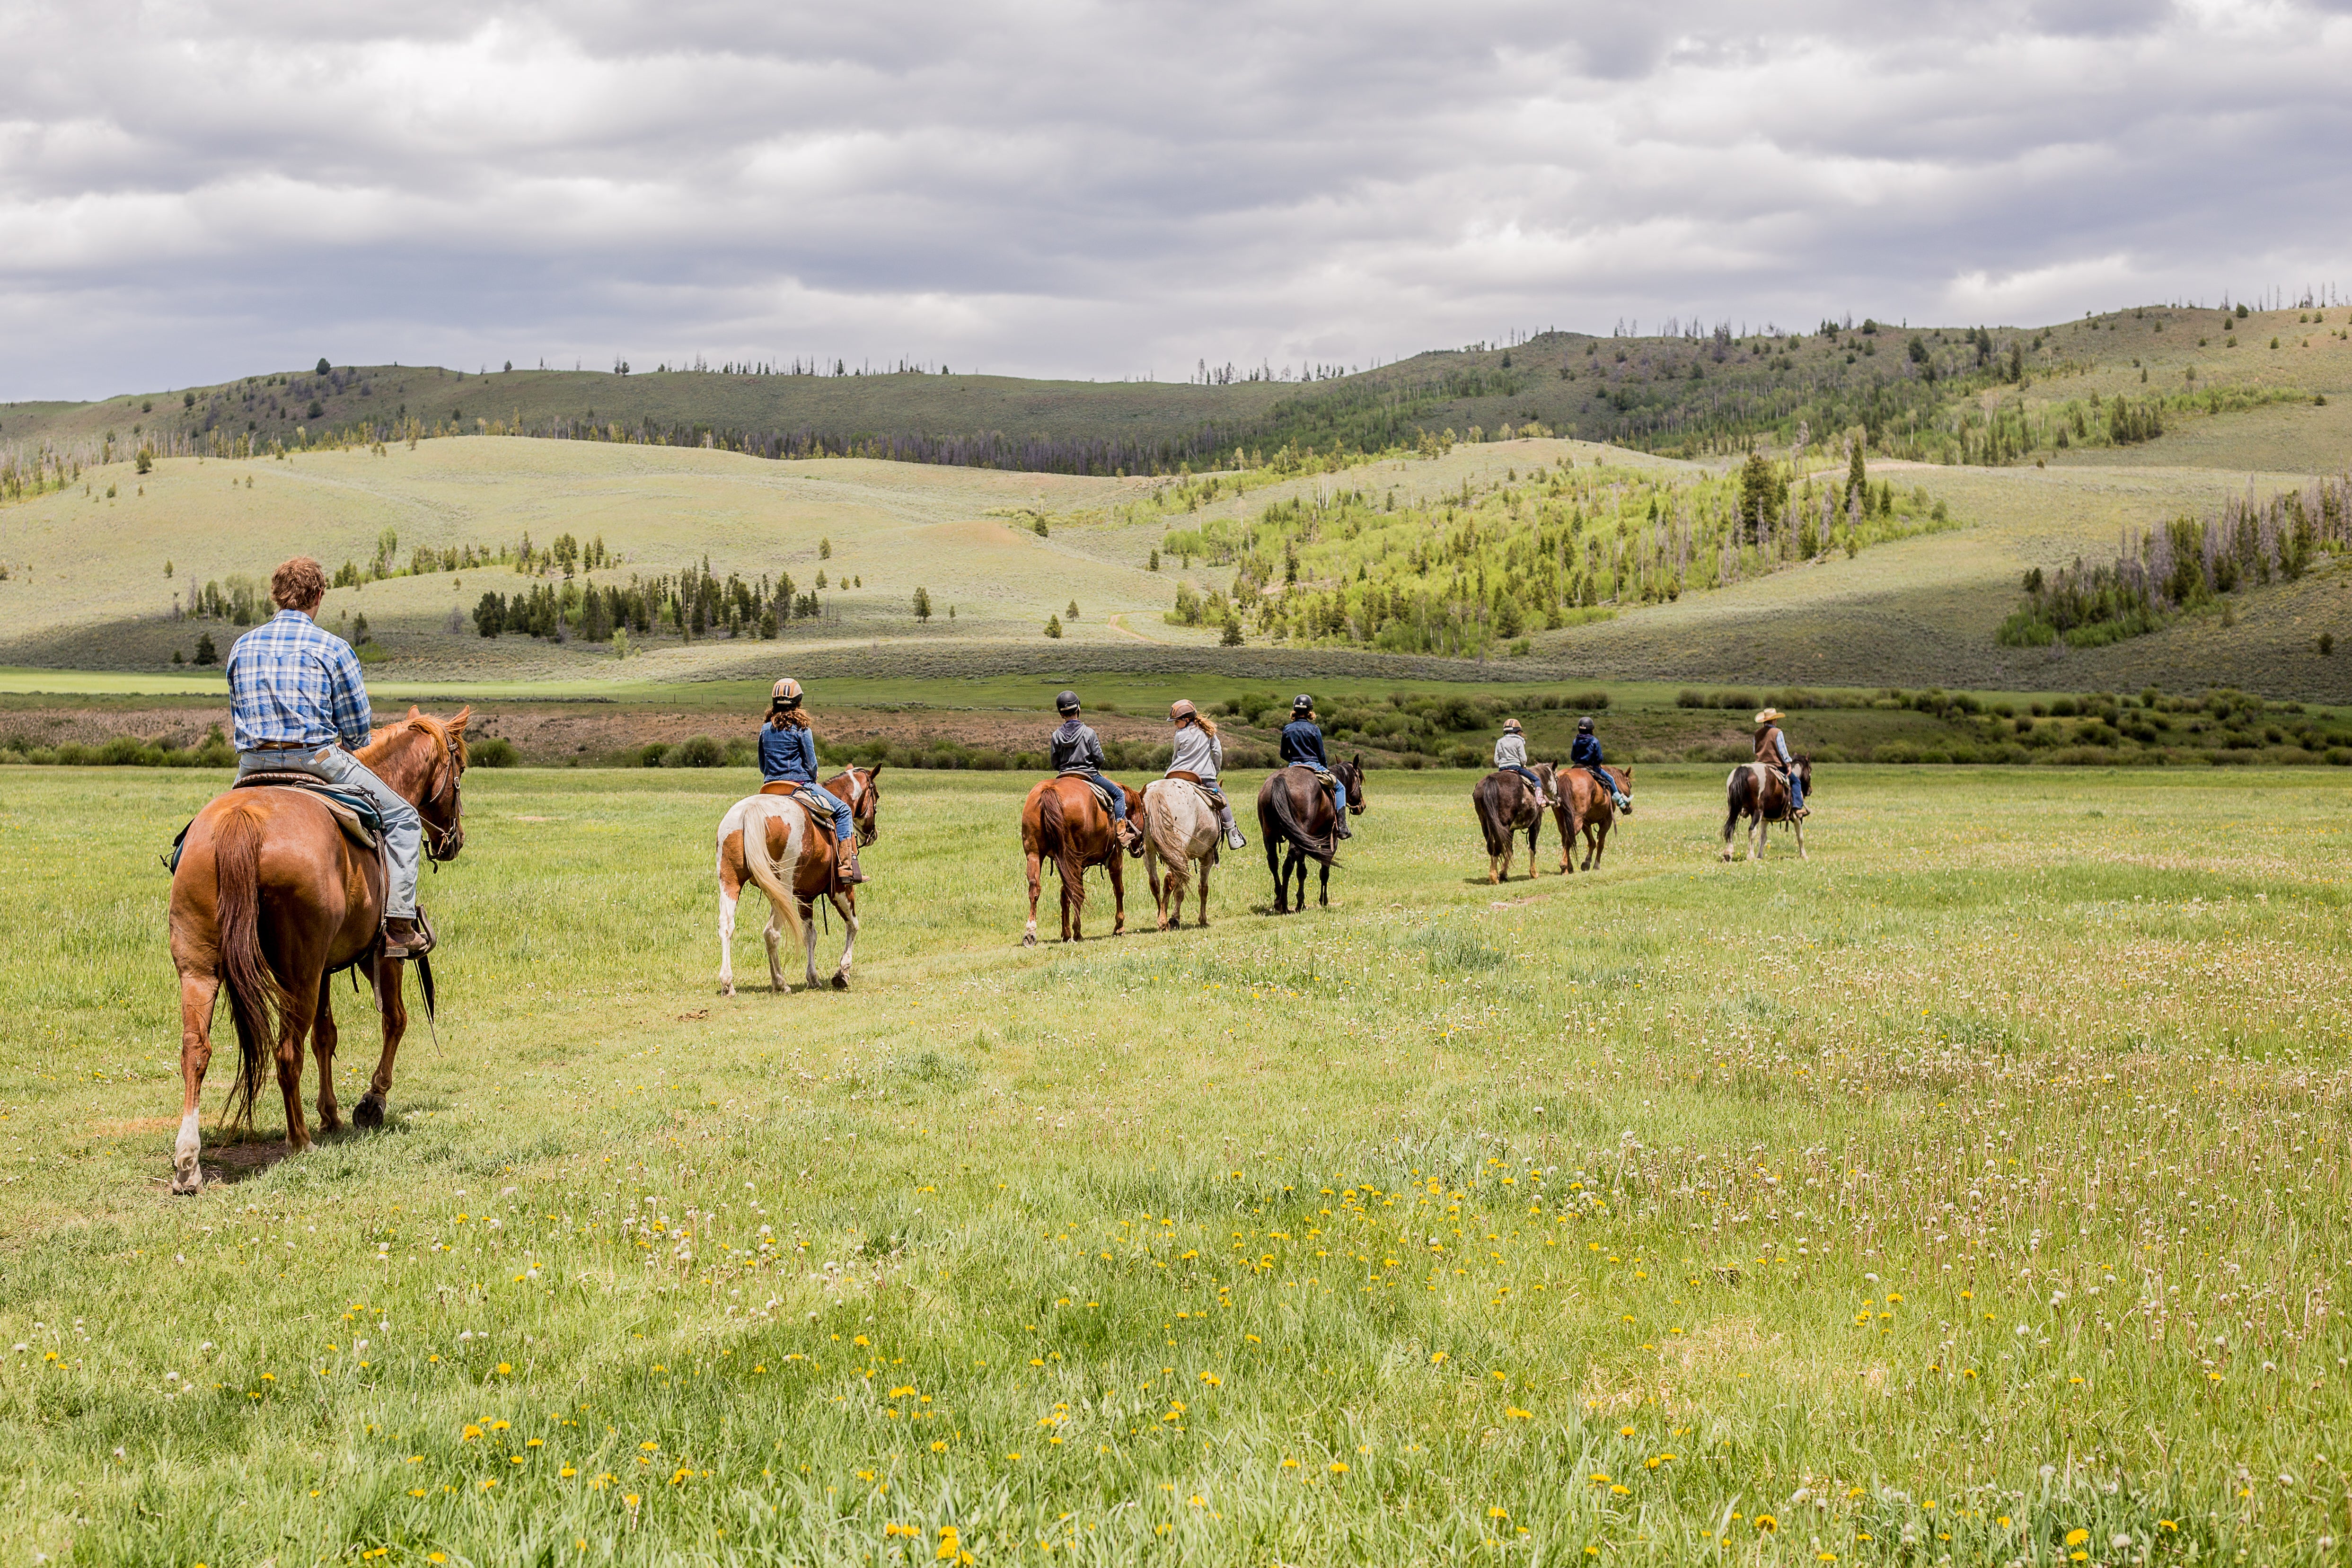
1772,751
1073,748
788,751
1586,755
1302,744
1511,757
1198,753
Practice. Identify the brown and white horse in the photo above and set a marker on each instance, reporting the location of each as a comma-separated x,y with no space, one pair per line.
1506,805
1762,796
1296,813
1062,821
1586,808
773,841
1180,829
271,897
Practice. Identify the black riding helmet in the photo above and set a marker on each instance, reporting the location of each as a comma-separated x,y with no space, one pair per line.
1068,702
1302,703
1584,725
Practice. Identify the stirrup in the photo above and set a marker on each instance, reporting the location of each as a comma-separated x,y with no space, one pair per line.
417,946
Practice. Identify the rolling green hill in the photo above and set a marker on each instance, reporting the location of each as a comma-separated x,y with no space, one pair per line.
1945,394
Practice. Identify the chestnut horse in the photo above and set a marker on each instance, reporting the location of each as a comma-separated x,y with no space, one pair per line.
1586,808
1758,791
1294,812
764,836
271,897
1064,821
1505,804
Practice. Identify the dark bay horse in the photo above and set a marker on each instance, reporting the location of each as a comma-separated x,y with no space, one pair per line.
271,899
1065,822
777,843
1506,804
1586,808
1296,817
1761,794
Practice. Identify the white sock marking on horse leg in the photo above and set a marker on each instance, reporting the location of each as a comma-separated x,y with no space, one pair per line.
726,945
185,1149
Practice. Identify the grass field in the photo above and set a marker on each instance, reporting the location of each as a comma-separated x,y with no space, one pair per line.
1973,1190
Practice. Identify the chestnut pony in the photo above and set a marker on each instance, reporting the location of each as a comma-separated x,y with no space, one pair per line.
271,897
1585,807
1064,821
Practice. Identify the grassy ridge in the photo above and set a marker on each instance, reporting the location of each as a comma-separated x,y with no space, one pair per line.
1962,394
1993,1166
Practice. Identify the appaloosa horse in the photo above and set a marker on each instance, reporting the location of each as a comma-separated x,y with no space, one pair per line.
1294,814
1585,807
272,899
1064,821
1505,802
1758,792
1181,828
774,841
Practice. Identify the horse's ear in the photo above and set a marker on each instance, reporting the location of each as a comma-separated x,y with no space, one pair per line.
1357,761
413,714
457,725
875,771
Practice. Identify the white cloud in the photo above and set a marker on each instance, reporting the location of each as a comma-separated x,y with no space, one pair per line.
193,189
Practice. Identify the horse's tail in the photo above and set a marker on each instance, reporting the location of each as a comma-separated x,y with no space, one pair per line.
1732,805
1054,836
256,1001
762,867
1285,819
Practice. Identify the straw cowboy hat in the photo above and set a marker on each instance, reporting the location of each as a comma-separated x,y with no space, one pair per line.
1770,715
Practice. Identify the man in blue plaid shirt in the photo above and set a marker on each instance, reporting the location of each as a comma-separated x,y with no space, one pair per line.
297,704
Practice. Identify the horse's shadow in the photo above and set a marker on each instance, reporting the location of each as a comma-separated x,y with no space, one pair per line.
234,1155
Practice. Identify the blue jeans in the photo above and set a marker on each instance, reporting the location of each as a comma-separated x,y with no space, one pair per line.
1117,795
842,825
1601,776
1796,790
403,830
1528,773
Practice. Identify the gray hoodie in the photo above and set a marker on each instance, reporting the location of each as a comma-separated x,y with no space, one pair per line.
1197,752
1511,751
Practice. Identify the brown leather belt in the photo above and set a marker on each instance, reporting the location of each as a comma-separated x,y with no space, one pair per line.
283,746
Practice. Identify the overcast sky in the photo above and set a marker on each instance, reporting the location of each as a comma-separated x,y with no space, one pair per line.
191,191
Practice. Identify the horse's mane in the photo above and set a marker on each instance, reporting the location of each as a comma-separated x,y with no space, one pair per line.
406,730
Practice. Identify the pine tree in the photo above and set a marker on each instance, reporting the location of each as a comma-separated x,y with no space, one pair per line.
1233,635
922,604
1855,478
204,651
1053,625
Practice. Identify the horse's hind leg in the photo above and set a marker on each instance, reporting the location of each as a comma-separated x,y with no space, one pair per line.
1118,897
808,940
1200,892
323,1036
1731,821
1798,828
1029,936
302,1006
368,1111
197,994
1324,896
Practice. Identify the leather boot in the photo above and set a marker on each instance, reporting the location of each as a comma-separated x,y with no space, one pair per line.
845,866
405,938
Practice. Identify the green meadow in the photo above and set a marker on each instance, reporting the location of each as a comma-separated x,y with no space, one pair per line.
1971,1191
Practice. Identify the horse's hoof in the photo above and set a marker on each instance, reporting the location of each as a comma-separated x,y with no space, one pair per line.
186,1184
728,989
1029,939
368,1112
841,982
331,1123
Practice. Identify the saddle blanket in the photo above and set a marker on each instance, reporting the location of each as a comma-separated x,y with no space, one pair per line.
1101,794
822,822
355,814
1209,792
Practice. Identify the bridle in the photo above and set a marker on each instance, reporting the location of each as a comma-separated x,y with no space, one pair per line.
864,800
443,843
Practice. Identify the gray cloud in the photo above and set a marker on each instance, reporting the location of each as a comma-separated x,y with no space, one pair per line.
194,190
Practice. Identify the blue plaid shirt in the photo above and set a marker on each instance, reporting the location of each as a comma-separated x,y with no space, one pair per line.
291,681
